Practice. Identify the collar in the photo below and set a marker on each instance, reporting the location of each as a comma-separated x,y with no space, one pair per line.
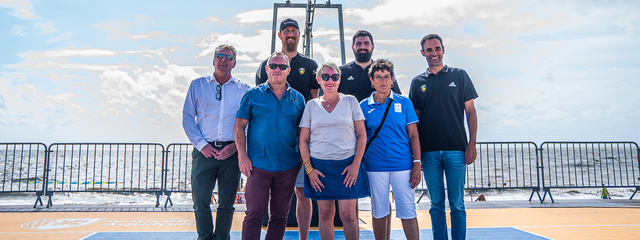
212,78
266,86
370,100
445,69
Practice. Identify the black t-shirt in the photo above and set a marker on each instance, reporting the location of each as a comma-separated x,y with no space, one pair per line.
302,76
355,81
441,98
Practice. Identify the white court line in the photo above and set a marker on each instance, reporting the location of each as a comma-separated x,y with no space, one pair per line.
605,225
532,233
85,237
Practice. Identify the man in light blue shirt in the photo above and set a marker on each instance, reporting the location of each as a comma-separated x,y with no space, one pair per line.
268,153
208,119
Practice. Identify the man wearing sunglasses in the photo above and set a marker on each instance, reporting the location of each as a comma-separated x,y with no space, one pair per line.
268,153
302,79
208,120
355,75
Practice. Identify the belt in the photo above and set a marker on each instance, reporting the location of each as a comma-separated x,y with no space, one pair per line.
220,144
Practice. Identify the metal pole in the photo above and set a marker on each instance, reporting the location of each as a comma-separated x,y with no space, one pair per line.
273,27
341,34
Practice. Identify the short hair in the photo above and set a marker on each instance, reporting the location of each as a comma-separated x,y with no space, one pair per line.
361,33
226,47
278,53
429,37
326,65
381,65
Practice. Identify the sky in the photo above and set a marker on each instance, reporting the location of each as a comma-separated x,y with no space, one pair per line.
118,71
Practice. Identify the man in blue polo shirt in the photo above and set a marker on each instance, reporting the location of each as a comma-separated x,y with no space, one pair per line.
441,96
268,153
355,75
302,78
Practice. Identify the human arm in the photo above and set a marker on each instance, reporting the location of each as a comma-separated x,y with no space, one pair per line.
472,123
261,73
305,156
241,145
414,141
314,92
351,171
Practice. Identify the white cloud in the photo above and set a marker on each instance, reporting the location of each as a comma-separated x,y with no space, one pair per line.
22,8
58,38
17,30
45,28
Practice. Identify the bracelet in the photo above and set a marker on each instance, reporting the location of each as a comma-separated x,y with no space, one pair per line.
417,160
309,170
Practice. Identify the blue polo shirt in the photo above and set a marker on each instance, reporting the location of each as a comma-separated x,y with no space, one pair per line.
272,136
390,151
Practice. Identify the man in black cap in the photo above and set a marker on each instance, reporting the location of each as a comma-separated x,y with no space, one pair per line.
302,79
355,75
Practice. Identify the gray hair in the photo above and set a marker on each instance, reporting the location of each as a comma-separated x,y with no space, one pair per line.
277,53
226,47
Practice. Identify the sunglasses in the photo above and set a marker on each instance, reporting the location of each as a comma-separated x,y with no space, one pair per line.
220,56
281,66
219,91
326,77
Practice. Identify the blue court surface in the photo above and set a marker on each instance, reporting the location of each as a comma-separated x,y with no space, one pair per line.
472,233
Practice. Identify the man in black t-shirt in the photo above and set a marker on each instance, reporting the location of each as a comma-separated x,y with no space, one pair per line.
441,96
302,76
302,79
354,79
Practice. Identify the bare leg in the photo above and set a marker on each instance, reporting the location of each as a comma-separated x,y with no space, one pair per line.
380,229
389,222
411,229
303,213
326,211
349,218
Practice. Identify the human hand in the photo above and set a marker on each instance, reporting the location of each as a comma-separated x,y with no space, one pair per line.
415,175
314,179
226,152
351,173
245,164
209,151
470,154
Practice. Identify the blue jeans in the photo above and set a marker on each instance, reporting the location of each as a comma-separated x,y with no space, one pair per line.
451,163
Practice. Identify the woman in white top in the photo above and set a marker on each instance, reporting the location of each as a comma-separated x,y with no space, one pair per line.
332,143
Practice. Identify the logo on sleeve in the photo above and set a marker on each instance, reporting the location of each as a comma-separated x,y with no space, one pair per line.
350,78
452,84
301,71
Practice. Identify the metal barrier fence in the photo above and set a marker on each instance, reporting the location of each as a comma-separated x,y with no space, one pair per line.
105,167
148,168
503,165
22,166
589,165
177,171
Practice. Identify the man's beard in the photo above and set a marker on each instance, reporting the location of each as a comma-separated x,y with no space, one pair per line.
291,47
363,56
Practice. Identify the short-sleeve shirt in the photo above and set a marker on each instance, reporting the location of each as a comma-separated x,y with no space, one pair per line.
355,81
390,150
272,135
302,77
441,98
333,135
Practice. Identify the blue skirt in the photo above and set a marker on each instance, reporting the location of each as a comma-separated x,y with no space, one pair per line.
334,188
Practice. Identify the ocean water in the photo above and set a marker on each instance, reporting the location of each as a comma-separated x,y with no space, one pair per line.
502,171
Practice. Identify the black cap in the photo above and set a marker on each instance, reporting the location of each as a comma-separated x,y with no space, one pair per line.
288,22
